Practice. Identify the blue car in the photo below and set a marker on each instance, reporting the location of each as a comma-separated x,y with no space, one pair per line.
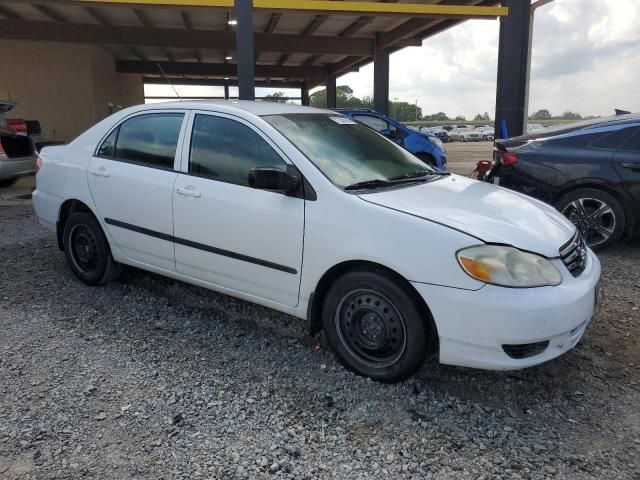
427,147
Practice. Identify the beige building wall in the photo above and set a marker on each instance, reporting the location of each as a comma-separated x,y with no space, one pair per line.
67,87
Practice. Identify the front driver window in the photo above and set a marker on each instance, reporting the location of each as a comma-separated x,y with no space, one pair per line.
227,150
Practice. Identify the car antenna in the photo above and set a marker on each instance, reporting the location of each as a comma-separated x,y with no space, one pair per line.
168,81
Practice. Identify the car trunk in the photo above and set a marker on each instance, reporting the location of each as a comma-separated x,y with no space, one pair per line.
13,145
16,146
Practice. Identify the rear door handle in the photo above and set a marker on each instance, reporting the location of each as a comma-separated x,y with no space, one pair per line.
632,166
188,192
100,172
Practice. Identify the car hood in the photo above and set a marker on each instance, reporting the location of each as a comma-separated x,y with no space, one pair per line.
485,211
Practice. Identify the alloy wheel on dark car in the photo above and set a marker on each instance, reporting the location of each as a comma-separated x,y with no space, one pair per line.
594,218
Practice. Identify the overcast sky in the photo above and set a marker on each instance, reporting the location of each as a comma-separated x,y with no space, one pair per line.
586,58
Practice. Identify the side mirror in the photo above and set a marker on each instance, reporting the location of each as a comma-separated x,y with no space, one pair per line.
274,179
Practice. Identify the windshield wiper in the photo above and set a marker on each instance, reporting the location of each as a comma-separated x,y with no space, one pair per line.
418,174
377,183
410,177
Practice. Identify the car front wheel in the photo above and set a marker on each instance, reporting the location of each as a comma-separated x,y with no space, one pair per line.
87,250
375,326
597,214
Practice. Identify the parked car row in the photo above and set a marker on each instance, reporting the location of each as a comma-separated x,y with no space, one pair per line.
393,259
590,171
467,133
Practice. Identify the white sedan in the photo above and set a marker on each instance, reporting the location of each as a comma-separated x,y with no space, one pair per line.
465,135
310,213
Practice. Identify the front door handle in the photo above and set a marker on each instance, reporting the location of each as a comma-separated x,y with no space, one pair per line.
100,172
632,165
188,192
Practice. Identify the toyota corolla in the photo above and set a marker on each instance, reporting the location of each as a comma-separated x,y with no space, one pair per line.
310,213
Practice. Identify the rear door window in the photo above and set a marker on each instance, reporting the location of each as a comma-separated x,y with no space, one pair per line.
108,147
633,145
149,139
615,139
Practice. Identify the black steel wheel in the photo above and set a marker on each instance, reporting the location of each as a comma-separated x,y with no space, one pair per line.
597,214
375,325
371,327
83,249
87,250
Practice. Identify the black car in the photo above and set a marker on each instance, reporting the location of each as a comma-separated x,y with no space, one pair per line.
590,171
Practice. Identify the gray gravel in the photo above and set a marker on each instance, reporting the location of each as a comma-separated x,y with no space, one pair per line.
152,378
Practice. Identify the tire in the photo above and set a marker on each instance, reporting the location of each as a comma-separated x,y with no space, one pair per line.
7,182
87,250
392,343
462,139
427,159
597,214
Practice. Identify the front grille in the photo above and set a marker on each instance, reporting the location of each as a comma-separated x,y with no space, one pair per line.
574,254
525,350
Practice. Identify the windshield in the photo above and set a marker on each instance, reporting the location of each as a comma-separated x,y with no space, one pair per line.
345,151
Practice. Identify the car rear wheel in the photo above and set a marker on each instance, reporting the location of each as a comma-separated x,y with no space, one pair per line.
427,159
597,214
87,250
375,326
462,139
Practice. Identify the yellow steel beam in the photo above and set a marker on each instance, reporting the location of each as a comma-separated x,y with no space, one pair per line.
382,9
330,6
172,3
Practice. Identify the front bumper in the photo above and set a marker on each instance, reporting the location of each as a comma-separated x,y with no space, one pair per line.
473,326
10,168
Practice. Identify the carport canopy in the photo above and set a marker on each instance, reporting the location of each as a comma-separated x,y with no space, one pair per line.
277,43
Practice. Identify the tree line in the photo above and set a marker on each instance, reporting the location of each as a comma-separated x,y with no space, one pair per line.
405,111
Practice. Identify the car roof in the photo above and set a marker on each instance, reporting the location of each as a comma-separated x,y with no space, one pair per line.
568,128
253,107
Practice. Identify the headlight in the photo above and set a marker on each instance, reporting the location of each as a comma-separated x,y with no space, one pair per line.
508,266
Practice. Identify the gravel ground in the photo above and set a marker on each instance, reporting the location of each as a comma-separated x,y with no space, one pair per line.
152,378
463,156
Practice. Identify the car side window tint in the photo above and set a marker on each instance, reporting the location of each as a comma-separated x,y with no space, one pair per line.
376,123
149,139
633,145
227,150
615,139
108,147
